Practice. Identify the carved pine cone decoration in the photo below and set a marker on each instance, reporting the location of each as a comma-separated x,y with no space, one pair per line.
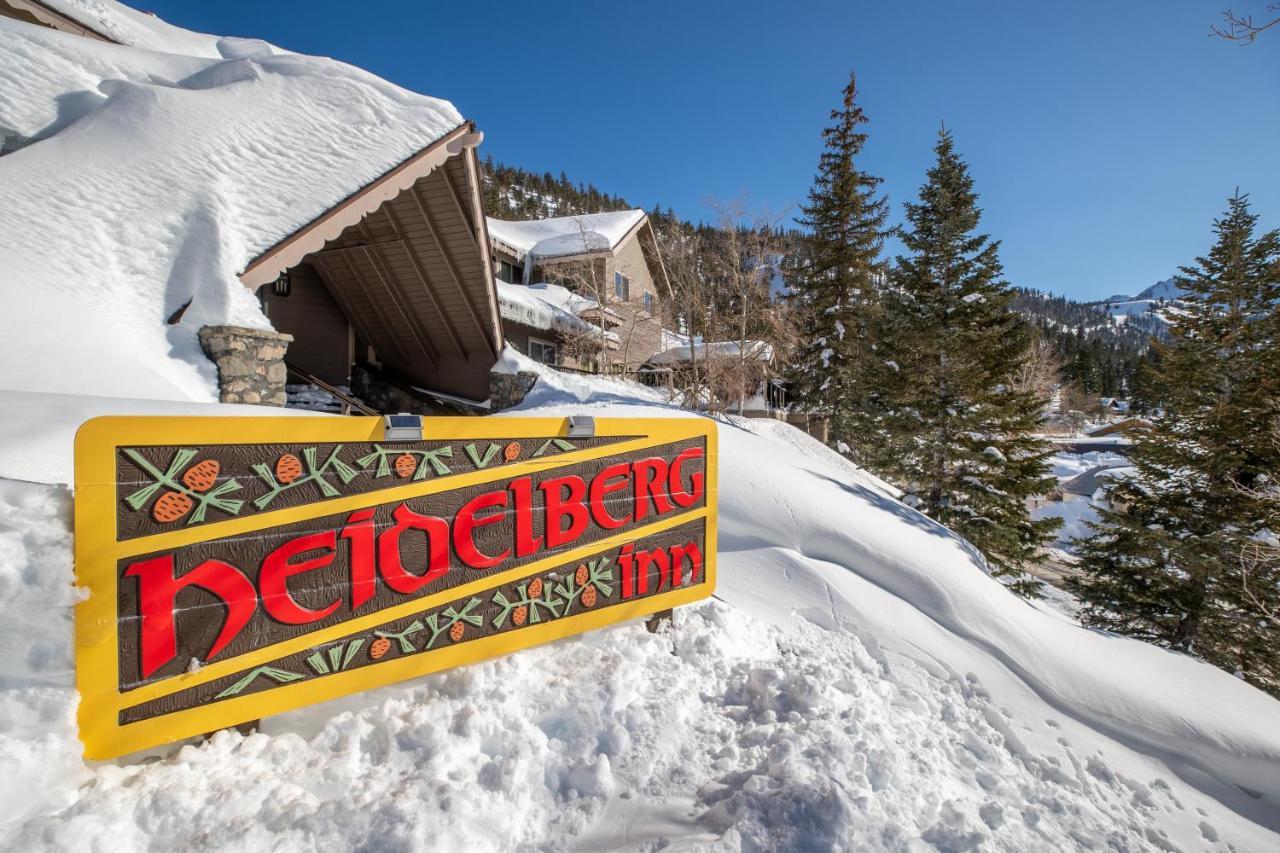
456,631
288,468
171,507
405,466
201,476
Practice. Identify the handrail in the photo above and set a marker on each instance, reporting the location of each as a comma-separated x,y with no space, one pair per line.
348,402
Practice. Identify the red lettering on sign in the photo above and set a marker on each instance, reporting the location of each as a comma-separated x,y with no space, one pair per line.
615,478
680,553
651,483
675,482
628,565
620,494
277,568
559,506
157,593
465,524
390,563
361,533
526,542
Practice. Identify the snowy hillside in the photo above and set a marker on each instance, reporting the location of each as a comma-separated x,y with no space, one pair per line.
1151,308
859,681
147,178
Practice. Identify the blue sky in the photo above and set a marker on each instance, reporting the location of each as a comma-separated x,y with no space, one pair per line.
1103,137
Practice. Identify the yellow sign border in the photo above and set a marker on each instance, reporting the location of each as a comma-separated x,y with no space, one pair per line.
97,554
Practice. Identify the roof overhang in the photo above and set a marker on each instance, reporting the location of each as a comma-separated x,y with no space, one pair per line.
312,237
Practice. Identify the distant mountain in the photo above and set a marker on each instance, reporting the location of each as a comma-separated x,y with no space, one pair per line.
1150,310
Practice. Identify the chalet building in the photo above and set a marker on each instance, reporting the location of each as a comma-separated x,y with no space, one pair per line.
611,261
392,286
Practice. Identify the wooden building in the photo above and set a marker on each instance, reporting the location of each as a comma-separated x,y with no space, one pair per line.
609,258
394,280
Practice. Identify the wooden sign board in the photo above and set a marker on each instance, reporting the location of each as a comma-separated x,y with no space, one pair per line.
240,567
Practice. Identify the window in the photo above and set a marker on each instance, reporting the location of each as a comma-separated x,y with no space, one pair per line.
510,272
543,351
621,287
648,302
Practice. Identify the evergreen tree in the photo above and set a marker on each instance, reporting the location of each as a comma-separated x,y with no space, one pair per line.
836,285
961,434
1168,562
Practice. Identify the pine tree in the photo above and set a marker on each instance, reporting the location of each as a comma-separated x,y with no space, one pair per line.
960,434
836,285
1170,562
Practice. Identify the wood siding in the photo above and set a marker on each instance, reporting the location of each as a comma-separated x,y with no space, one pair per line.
321,335
416,283
640,335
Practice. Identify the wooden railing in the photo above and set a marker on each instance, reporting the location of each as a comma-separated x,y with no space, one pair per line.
348,402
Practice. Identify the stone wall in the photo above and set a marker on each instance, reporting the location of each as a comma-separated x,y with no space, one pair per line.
507,390
250,363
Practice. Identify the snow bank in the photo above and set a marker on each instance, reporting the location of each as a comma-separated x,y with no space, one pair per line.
861,683
153,176
38,431
565,235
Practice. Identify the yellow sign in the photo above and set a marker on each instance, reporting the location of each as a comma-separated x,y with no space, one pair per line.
240,567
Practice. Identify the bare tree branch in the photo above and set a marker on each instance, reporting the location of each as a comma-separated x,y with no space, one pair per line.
1241,28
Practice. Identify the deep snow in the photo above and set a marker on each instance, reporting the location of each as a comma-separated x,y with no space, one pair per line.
859,682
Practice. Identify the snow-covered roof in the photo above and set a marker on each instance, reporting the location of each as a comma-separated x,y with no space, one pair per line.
152,175
547,306
129,26
756,350
561,236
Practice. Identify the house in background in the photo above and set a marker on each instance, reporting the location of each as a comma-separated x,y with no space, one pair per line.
610,259
727,376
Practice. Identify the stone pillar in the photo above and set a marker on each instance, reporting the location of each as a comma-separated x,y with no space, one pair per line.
250,363
507,390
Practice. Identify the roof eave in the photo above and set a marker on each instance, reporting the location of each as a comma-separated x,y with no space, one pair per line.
312,236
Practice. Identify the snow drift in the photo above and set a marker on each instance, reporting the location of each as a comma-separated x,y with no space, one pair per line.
149,178
859,683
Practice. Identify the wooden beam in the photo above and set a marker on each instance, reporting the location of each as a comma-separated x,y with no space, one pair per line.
426,283
377,244
377,307
406,311
461,208
453,270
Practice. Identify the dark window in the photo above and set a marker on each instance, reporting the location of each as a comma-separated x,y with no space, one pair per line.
621,287
543,351
648,302
510,272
